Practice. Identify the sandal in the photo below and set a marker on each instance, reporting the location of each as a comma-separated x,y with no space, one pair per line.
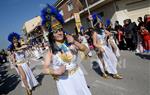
105,76
29,92
117,76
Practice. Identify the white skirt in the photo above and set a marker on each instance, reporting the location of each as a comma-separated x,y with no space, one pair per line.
73,85
110,60
32,82
117,52
37,54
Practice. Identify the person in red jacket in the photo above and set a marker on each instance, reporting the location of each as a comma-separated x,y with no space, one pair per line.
146,38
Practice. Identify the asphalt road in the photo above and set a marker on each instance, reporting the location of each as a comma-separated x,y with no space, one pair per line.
134,68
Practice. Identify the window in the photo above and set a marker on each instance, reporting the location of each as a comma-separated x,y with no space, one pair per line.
61,12
69,5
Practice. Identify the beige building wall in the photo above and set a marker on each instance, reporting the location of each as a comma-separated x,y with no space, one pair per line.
30,25
132,9
108,10
123,9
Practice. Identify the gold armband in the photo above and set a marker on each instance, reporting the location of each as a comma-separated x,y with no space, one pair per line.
50,71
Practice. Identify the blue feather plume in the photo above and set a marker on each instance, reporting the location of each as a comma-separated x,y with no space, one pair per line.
108,22
49,11
82,28
10,47
13,34
95,16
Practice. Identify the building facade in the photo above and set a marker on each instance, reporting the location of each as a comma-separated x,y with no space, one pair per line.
108,9
33,31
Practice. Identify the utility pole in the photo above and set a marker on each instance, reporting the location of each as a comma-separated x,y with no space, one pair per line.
115,5
89,12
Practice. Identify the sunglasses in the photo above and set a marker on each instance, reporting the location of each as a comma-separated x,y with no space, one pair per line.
56,31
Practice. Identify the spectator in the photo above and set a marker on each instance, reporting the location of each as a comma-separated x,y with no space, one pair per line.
146,38
130,30
120,35
147,22
141,23
3,56
117,25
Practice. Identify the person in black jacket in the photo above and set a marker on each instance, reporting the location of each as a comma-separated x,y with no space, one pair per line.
130,30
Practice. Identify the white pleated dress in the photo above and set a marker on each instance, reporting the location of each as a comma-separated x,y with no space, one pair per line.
111,40
32,82
37,53
73,84
109,57
84,41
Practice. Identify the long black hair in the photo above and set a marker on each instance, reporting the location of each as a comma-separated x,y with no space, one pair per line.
90,32
53,46
13,48
99,29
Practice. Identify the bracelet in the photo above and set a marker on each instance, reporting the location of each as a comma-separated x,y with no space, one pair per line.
50,71
74,42
54,76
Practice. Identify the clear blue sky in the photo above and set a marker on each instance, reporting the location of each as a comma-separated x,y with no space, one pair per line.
13,14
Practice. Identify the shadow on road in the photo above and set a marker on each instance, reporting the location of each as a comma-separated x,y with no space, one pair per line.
40,78
96,68
8,82
143,56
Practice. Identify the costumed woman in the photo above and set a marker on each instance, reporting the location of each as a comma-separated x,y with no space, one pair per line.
19,60
83,40
110,41
105,54
61,58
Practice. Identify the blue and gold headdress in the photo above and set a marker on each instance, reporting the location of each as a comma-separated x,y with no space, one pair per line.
13,35
96,18
51,18
10,47
107,23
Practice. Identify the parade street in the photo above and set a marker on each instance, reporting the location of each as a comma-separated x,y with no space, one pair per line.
134,68
75,47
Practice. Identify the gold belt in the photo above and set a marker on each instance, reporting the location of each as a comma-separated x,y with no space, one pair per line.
71,72
67,73
21,62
